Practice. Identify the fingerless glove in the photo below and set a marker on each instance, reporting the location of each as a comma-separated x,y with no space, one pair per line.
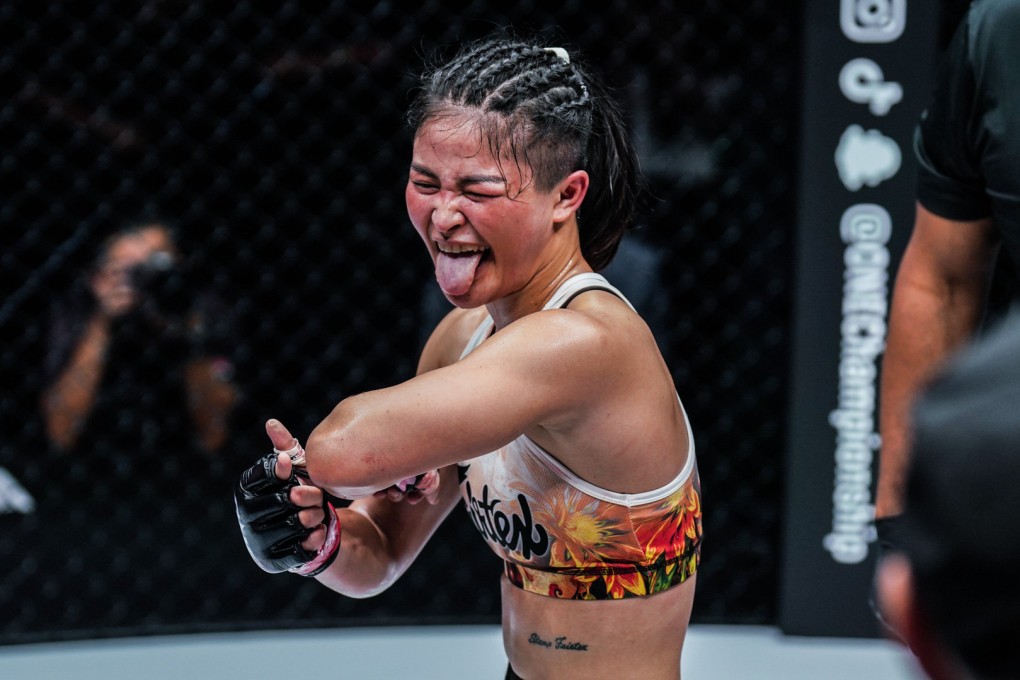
271,527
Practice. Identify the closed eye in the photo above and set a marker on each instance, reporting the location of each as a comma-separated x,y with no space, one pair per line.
425,187
478,196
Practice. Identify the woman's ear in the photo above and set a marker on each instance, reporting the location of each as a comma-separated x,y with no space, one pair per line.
570,192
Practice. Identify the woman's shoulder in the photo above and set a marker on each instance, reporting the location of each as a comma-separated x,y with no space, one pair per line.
601,314
450,337
594,334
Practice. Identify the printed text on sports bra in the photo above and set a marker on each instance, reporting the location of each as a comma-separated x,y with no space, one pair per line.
519,533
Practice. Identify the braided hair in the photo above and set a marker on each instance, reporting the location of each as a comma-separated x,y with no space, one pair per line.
551,114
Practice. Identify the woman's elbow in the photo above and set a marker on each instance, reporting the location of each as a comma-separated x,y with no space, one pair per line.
335,460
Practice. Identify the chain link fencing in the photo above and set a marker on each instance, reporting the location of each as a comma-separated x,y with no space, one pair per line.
270,139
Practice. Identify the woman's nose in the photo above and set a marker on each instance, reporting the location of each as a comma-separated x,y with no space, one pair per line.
447,215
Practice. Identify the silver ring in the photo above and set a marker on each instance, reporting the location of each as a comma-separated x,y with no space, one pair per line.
295,453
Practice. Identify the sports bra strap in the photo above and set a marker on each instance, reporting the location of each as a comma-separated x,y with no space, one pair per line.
568,290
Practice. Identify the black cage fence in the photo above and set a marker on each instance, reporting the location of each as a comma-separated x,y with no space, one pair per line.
269,139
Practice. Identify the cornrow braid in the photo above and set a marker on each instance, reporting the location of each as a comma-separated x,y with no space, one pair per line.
530,85
550,113
469,86
496,74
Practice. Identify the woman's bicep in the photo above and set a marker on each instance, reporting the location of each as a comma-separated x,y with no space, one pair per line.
520,377
446,415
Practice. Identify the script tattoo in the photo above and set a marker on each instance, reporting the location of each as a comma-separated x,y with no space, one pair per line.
558,643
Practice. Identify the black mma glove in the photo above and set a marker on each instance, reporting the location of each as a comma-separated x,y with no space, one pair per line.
270,525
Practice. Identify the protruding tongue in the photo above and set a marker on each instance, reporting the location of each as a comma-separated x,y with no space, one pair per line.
456,272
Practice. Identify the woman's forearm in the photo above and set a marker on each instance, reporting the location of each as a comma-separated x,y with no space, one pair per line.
69,400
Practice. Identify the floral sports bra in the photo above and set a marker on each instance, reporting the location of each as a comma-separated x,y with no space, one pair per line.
563,537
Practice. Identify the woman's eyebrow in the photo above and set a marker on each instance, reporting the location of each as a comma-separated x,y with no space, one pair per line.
470,179
483,179
422,170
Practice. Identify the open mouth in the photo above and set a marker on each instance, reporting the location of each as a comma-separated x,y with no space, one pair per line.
456,266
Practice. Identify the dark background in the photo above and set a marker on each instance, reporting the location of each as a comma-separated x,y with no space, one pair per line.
273,138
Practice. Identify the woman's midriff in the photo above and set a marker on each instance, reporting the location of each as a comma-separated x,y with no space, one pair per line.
639,637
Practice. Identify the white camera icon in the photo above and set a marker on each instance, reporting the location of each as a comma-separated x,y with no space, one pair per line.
873,21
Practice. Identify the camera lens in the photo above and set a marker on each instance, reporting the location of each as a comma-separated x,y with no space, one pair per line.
161,286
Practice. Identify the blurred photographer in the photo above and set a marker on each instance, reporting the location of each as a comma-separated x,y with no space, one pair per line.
137,356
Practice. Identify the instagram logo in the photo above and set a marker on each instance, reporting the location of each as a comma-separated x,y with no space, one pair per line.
873,21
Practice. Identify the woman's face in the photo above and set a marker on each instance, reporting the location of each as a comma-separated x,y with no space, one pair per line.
111,283
481,218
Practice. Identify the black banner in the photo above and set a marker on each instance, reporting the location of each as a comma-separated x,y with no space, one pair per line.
868,72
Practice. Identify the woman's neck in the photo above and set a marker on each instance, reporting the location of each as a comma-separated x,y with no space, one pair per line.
538,291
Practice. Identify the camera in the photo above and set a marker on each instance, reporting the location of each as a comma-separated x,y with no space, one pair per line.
163,289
